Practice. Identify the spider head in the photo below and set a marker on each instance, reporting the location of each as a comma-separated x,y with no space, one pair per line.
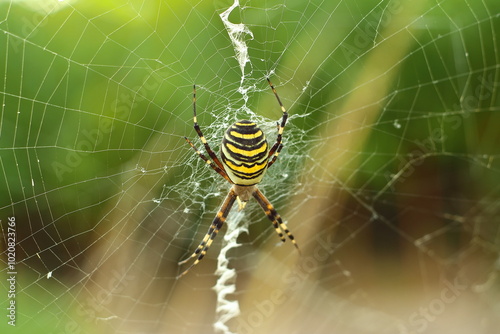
243,195
241,204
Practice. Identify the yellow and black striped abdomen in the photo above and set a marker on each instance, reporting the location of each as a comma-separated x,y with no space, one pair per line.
244,153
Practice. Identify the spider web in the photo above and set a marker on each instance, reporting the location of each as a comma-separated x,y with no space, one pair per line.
388,178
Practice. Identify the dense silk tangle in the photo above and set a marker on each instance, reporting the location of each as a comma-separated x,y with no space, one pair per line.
244,153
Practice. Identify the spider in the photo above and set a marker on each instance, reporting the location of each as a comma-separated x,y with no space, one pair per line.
245,157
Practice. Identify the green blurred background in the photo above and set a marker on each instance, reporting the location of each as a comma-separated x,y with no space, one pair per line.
391,156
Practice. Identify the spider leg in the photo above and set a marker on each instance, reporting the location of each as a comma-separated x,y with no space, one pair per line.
273,216
216,225
275,156
277,146
209,162
211,153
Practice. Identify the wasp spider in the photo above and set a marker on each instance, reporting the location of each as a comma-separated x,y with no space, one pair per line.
245,157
